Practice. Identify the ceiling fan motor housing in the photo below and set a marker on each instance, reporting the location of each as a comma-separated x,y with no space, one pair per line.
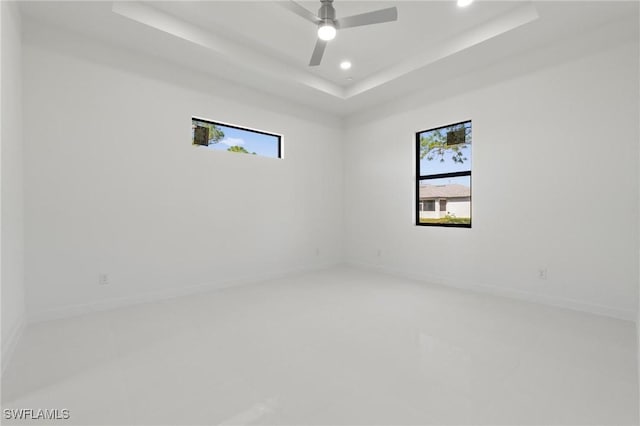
326,12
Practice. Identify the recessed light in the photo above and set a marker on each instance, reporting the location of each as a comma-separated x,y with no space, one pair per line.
464,3
345,65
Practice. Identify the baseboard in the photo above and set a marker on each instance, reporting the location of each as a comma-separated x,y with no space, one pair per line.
68,311
638,355
575,305
115,303
9,345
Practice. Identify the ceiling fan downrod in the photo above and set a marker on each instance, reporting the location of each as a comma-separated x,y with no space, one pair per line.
327,11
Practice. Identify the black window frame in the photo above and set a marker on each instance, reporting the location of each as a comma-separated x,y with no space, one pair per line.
420,178
247,129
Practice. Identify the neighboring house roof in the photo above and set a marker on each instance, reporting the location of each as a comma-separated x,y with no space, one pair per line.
444,191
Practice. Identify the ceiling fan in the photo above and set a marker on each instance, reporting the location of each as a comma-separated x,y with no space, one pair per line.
328,24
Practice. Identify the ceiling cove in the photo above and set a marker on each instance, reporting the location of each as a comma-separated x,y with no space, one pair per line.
226,47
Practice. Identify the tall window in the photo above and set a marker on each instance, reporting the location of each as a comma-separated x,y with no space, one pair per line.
225,137
443,170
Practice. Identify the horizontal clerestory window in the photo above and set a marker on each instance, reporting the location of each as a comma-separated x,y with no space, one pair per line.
226,137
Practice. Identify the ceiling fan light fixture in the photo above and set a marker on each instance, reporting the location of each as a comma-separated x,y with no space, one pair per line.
327,31
464,3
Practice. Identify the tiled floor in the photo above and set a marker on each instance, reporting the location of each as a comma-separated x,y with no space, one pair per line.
341,346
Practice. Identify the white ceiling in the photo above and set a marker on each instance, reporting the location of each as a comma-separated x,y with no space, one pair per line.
267,27
263,45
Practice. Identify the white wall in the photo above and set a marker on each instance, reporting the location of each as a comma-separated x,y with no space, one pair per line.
113,184
11,266
108,192
548,146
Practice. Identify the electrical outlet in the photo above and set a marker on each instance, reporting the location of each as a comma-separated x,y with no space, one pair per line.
542,273
379,253
103,279
317,251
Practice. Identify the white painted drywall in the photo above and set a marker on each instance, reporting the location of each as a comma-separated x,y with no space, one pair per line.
11,267
549,147
113,184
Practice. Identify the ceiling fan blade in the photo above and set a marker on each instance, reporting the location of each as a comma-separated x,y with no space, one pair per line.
318,51
300,11
376,17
